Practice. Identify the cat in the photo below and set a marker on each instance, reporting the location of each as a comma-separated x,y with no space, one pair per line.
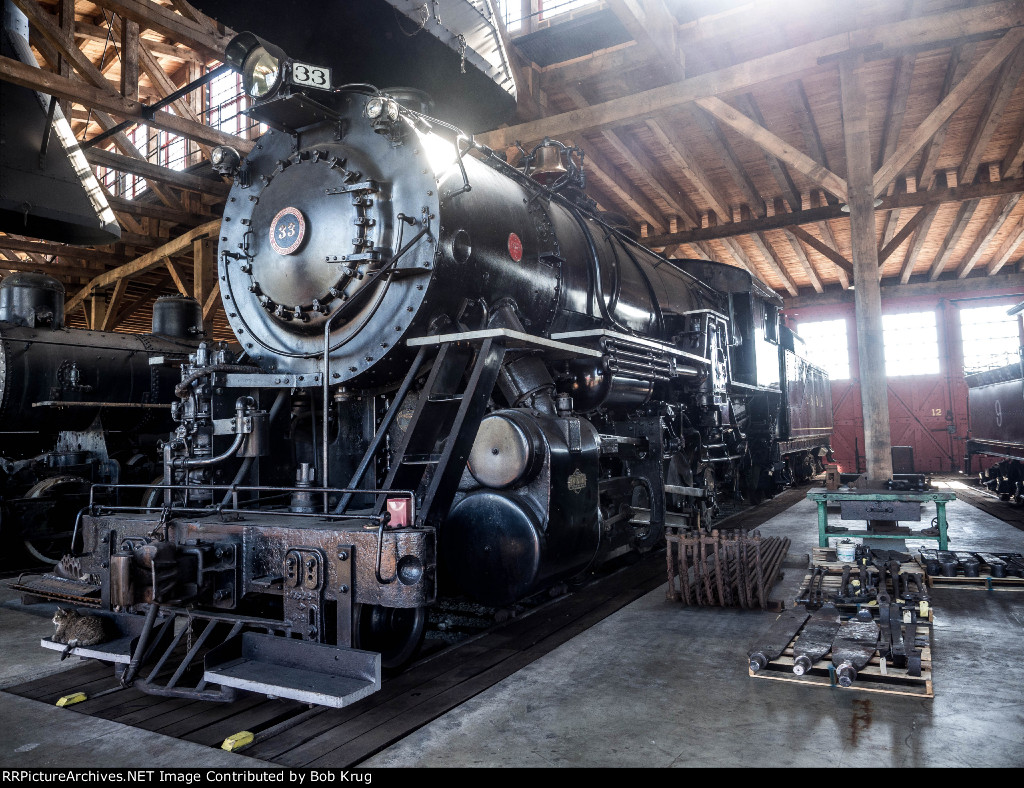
75,629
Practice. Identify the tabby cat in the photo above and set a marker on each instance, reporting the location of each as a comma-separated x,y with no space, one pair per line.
75,629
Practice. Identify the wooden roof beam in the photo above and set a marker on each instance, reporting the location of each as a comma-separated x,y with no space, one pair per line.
1006,250
844,268
739,256
200,36
144,263
162,82
927,167
129,308
108,100
1011,164
91,32
62,251
127,147
617,184
783,180
971,82
642,165
998,98
934,29
809,216
771,259
805,261
671,141
138,208
897,240
774,145
801,108
995,222
917,242
176,178
956,230
824,249
727,158
653,27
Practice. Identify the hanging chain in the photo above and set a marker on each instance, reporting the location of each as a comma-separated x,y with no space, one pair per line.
462,53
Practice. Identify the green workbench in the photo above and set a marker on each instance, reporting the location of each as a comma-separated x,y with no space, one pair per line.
824,497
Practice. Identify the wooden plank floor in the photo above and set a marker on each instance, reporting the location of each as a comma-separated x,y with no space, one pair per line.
343,738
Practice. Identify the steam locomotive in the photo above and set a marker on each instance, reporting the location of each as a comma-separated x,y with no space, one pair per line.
457,378
77,408
995,407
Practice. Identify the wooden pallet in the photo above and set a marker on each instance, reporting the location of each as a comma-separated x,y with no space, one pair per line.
874,677
983,582
834,578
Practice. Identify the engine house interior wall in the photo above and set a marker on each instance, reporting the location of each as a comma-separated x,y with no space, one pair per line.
927,412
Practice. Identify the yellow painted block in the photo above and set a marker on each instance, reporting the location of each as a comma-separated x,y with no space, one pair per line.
70,700
237,741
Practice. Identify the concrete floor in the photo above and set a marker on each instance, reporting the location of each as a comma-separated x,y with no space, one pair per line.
655,685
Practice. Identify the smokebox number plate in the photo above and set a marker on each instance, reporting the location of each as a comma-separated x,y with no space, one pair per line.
287,231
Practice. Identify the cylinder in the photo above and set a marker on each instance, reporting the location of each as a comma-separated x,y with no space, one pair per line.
32,299
177,316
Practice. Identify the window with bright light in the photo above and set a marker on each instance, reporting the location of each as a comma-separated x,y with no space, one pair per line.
990,337
131,186
171,150
226,102
825,346
911,343
511,11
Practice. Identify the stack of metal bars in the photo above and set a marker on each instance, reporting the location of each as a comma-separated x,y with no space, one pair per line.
724,569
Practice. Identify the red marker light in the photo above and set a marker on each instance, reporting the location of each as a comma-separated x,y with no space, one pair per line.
515,247
398,508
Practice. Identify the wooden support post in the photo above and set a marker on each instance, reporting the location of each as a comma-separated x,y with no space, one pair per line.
204,272
868,298
97,311
130,60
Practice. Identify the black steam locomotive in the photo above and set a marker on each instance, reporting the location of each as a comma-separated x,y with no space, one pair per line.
995,408
457,379
77,408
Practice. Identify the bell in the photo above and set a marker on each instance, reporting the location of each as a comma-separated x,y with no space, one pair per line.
548,166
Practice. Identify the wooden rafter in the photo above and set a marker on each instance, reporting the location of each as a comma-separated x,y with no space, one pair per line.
778,65
653,27
964,215
986,234
108,101
995,107
154,172
950,104
805,262
774,145
898,239
1006,250
200,36
144,263
779,220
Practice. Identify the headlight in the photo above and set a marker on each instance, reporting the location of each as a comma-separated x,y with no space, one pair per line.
261,73
260,63
382,108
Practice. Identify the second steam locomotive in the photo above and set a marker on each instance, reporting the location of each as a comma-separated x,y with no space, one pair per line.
457,379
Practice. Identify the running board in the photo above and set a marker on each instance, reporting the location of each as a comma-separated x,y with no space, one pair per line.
295,669
125,631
